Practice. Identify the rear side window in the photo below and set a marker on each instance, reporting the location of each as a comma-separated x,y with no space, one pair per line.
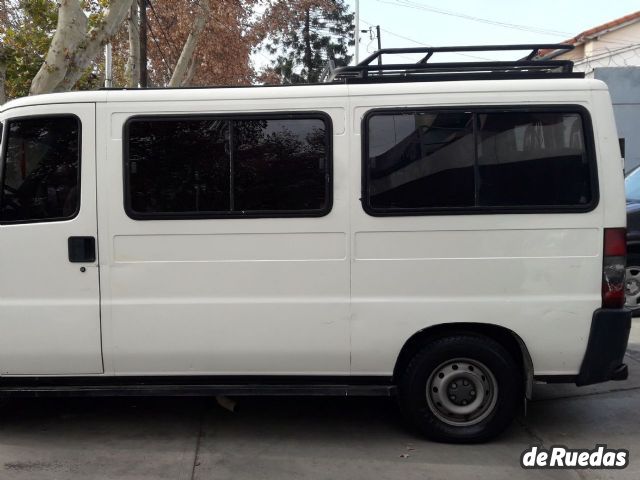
532,159
421,162
227,167
40,171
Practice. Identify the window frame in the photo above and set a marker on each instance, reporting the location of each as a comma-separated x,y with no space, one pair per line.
305,115
475,110
3,157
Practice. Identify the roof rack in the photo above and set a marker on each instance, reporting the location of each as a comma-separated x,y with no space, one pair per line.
423,71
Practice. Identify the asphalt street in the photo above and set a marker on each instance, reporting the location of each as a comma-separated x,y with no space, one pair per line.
292,438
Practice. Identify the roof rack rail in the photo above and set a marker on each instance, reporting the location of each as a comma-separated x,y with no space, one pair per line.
526,67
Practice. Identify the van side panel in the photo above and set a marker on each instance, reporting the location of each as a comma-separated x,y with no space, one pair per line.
245,296
536,274
610,162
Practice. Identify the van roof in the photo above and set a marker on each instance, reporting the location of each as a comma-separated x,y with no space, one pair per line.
289,92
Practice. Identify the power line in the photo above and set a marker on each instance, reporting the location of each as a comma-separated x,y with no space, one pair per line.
163,31
403,37
155,41
421,6
544,31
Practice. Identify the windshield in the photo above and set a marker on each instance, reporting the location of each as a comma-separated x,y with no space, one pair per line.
632,186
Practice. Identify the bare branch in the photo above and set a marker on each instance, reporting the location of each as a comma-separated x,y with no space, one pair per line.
73,48
182,66
70,32
133,61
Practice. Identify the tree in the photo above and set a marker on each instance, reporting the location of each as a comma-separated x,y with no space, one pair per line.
207,43
56,45
26,28
76,43
306,35
3,74
132,68
185,67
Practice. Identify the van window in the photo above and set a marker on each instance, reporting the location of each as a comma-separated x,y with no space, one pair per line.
178,166
183,167
532,159
477,161
41,169
421,160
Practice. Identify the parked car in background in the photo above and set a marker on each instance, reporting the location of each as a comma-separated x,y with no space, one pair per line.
632,283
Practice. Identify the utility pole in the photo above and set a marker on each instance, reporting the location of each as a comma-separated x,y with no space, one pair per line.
143,43
108,66
379,44
357,31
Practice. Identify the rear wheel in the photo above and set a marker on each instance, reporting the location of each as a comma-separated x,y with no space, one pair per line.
632,283
462,389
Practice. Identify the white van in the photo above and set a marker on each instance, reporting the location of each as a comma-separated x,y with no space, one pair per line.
446,235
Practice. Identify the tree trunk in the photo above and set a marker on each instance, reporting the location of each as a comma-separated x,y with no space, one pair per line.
180,73
133,62
306,61
73,48
190,73
70,32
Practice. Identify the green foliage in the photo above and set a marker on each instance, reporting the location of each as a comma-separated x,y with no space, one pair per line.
310,40
26,38
26,34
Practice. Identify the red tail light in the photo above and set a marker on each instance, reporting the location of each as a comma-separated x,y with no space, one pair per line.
613,267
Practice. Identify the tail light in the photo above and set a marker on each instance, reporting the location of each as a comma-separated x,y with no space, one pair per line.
613,267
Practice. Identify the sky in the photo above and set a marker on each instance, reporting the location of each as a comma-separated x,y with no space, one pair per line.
412,23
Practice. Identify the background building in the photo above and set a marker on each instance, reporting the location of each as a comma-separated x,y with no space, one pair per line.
611,52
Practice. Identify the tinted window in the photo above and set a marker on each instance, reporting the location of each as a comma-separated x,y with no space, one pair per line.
421,160
178,166
532,159
280,165
41,169
224,166
476,160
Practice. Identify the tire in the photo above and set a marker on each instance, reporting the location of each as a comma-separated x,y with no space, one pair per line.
466,363
632,284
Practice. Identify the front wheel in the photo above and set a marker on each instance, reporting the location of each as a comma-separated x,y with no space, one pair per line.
462,389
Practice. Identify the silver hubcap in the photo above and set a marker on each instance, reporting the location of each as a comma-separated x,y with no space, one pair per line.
462,392
632,287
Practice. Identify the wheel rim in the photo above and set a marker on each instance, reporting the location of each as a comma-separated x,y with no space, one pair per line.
632,287
462,392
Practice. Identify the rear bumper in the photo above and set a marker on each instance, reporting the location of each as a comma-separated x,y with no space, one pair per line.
607,345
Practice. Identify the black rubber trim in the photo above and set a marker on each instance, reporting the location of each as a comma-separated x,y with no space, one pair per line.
607,345
590,151
5,146
230,117
202,391
103,386
555,378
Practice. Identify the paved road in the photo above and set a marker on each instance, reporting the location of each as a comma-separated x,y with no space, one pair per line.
182,438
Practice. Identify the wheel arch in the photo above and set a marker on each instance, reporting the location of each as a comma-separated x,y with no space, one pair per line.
506,337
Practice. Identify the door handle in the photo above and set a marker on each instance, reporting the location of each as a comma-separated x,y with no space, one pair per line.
82,249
